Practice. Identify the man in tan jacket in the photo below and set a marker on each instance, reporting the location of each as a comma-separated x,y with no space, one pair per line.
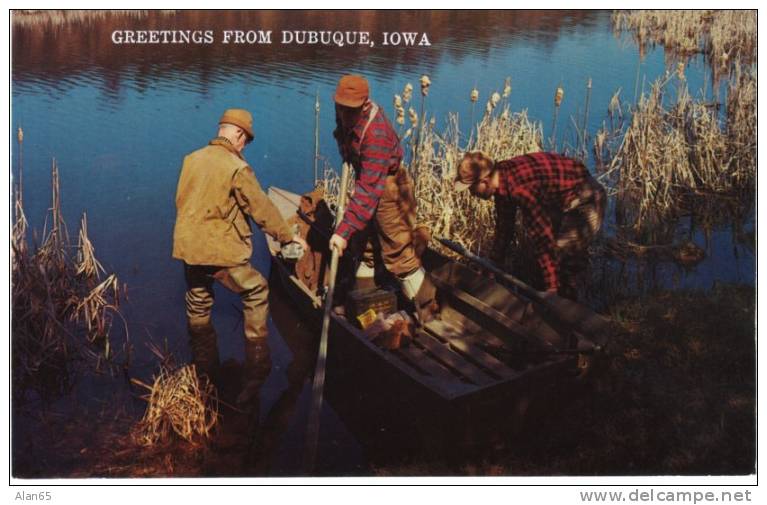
217,191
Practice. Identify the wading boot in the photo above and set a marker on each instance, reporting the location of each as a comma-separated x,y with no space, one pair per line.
258,364
203,342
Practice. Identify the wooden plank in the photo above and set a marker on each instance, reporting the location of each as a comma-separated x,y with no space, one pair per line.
418,358
286,202
512,326
458,342
447,385
454,360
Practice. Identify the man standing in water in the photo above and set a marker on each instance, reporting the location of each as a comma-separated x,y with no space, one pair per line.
383,204
216,192
562,209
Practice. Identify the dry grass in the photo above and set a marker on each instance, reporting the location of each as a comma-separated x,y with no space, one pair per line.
727,38
180,404
669,150
500,134
61,315
741,126
86,262
677,147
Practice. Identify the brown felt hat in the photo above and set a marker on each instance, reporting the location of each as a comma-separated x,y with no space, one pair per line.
352,91
472,168
239,117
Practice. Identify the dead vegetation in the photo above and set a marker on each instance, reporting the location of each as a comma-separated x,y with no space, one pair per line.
671,145
178,403
62,313
727,38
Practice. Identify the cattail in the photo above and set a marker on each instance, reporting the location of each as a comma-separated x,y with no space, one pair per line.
505,114
507,87
489,107
495,98
474,95
558,96
20,135
615,103
425,83
413,115
600,140
407,93
680,70
397,101
400,116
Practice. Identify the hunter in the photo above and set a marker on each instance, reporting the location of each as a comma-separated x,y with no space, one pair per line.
217,192
562,209
383,205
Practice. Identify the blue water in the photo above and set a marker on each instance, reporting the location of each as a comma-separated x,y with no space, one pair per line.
118,121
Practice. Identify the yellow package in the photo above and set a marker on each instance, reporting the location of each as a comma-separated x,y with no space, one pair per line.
367,318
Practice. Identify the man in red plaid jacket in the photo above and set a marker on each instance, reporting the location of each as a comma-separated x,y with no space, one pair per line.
383,204
562,209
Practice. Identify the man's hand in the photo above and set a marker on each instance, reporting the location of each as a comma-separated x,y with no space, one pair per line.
297,238
338,243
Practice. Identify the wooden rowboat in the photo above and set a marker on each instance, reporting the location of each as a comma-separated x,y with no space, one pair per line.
488,342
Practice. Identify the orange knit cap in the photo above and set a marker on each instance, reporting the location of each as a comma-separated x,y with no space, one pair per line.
352,91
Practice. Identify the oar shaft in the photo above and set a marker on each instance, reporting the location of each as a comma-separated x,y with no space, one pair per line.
313,427
489,265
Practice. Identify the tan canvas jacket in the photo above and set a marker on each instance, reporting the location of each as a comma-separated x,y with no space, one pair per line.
216,191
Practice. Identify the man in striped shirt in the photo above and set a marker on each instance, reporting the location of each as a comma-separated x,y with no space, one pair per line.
562,209
383,203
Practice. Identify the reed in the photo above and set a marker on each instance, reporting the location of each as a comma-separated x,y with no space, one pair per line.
727,38
670,150
62,316
178,404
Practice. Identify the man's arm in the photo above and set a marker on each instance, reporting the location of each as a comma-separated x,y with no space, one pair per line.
252,199
375,159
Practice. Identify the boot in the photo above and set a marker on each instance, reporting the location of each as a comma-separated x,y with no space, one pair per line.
426,306
258,365
203,343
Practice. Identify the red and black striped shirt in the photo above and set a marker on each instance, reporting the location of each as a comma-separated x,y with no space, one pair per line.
539,183
374,158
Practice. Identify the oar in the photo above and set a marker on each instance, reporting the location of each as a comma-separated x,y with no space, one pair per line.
567,311
313,428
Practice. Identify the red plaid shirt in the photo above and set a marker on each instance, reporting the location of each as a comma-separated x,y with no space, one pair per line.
373,158
539,183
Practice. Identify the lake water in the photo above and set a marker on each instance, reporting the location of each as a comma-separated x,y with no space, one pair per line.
119,118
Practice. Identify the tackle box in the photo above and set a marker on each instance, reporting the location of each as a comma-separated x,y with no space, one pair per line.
379,300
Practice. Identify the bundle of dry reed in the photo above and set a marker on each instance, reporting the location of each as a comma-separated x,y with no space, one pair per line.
178,403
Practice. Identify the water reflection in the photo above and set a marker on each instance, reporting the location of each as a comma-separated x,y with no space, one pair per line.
43,50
